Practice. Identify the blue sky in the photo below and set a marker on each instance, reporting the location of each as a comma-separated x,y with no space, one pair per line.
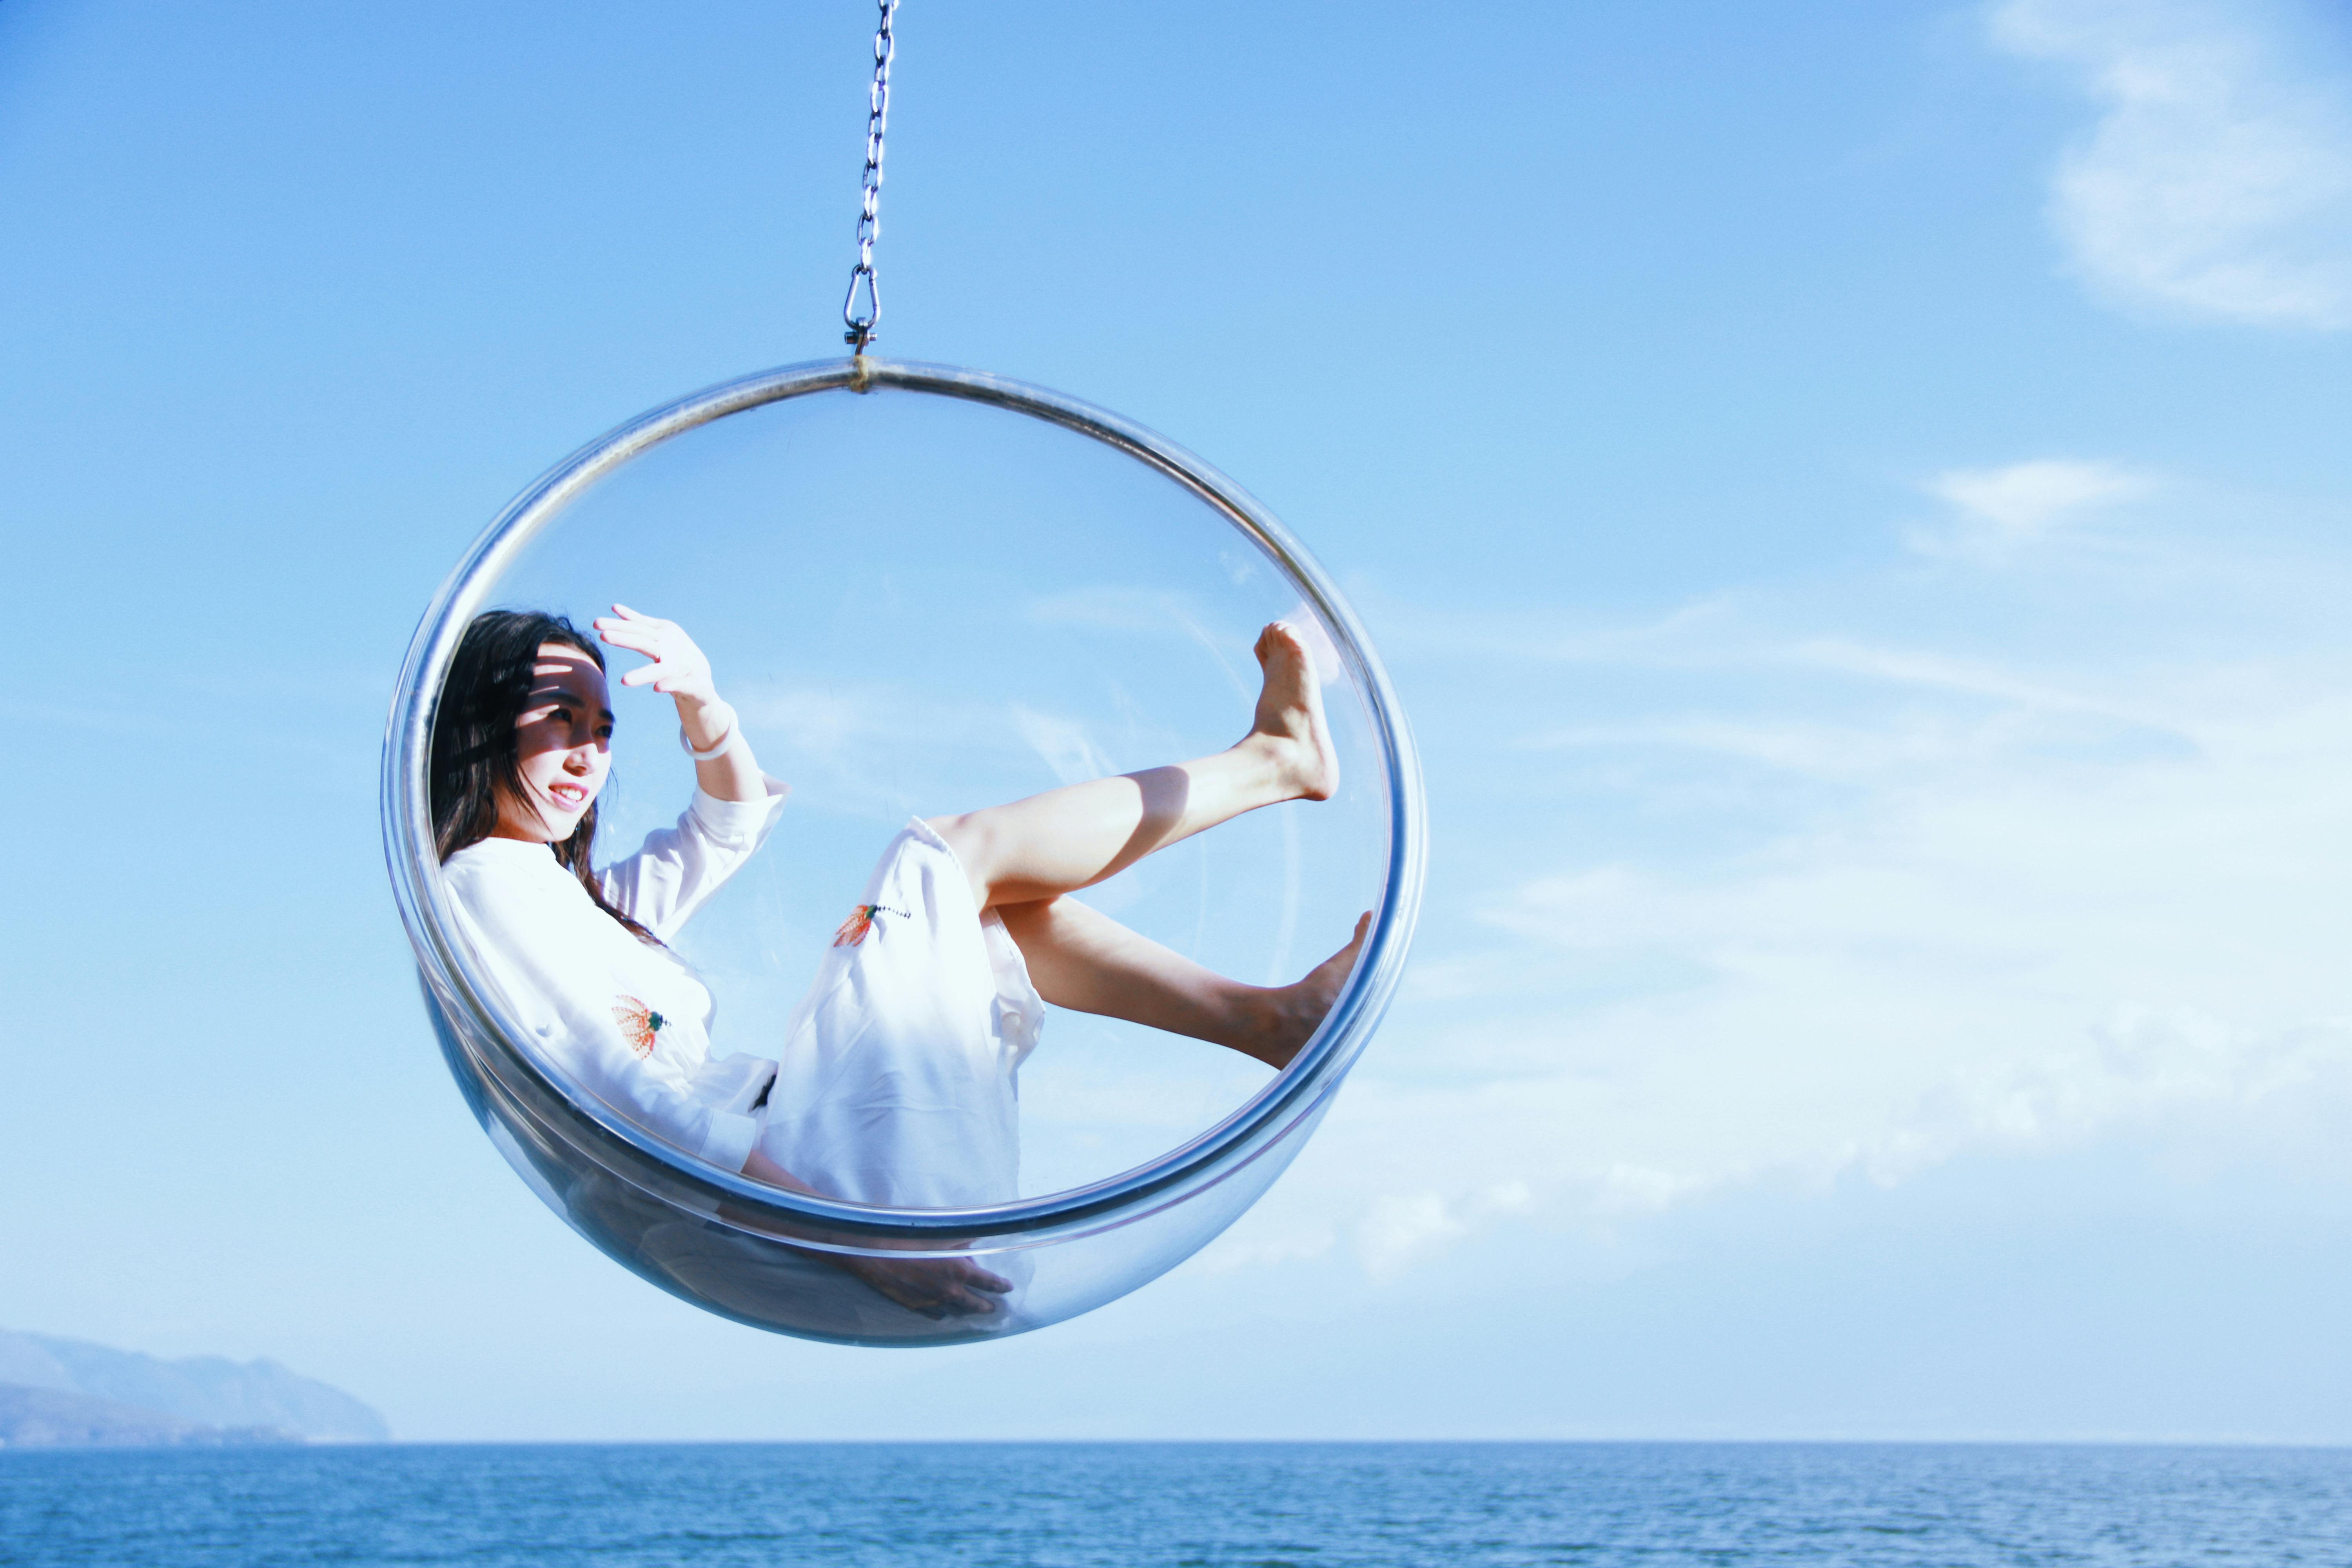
1854,497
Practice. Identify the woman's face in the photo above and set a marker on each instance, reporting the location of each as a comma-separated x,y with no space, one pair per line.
564,738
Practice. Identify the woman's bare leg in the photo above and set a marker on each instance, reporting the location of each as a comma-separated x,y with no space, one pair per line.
1082,959
1070,838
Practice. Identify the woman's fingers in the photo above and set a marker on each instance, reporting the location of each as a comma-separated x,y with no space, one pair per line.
623,617
661,641
969,1303
642,636
677,664
644,645
975,1289
938,1286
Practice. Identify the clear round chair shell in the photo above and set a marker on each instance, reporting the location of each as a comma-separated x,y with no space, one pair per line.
756,1253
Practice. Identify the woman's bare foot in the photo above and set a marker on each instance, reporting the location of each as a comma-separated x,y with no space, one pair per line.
1289,725
1293,1013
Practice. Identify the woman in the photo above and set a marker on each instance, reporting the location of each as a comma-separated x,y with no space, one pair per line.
895,1082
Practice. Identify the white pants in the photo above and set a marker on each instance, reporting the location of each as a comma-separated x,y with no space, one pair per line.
895,1083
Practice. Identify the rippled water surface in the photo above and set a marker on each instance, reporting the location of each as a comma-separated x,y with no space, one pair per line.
1657,1505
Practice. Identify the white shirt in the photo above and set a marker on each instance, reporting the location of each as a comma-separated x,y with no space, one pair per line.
626,1020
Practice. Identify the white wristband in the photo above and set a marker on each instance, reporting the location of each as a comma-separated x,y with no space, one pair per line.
718,748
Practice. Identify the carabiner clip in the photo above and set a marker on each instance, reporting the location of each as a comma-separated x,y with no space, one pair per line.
861,324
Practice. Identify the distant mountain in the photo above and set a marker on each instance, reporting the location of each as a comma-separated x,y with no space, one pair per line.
56,1418
210,1392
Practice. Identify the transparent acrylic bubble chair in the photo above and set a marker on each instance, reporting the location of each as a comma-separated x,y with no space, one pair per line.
927,590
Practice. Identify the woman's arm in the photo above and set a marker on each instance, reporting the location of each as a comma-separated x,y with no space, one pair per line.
681,671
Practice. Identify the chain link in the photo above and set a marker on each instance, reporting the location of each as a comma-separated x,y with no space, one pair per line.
861,322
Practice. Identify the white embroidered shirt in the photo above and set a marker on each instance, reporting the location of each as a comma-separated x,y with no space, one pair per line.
627,1021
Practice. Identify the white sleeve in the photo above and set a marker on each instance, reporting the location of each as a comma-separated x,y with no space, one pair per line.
572,1013
676,868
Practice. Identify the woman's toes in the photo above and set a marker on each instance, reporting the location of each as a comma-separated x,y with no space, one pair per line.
1290,715
1308,1002
1336,969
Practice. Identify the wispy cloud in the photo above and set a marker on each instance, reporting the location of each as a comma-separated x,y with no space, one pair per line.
1997,512
1400,1229
2217,180
2142,1066
1062,742
2026,862
840,742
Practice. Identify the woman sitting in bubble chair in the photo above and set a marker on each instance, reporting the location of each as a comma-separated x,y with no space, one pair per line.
894,1084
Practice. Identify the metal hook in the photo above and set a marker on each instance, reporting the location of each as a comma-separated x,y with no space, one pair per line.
861,323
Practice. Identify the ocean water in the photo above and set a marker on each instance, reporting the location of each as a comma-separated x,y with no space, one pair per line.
1661,1505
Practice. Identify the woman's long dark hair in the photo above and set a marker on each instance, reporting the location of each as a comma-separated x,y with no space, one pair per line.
475,759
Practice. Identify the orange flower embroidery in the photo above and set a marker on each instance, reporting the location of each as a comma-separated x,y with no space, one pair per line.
639,1023
861,921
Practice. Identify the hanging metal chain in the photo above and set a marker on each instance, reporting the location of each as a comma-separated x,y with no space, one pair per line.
861,322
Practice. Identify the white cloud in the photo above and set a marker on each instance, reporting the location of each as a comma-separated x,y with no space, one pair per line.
837,742
2218,179
1937,672
1062,742
2143,1065
1117,608
2030,861
1395,1230
1998,511
1964,934
1400,1229
1254,1246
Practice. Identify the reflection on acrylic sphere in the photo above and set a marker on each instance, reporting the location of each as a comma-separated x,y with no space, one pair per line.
928,590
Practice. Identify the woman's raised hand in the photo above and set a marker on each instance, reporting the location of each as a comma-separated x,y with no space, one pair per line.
679,669
723,763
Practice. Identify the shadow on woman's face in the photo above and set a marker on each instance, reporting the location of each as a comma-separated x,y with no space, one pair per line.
563,740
